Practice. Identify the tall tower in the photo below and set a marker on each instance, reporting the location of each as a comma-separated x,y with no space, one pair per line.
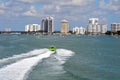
93,26
64,27
45,25
94,21
48,25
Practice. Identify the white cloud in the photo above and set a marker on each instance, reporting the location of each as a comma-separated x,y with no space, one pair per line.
73,2
30,1
60,2
2,5
111,5
1,11
58,8
99,13
70,8
31,12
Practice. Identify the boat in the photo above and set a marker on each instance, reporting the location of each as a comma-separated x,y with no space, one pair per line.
52,48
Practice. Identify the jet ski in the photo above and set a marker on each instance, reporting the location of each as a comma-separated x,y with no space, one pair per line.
52,48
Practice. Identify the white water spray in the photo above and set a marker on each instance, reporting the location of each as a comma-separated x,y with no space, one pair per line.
20,69
17,71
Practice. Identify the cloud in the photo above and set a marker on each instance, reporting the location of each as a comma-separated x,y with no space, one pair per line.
74,10
30,1
1,11
2,5
47,7
31,12
58,8
113,5
73,2
99,13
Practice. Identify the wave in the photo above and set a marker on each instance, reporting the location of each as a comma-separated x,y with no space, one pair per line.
62,55
14,58
52,66
25,63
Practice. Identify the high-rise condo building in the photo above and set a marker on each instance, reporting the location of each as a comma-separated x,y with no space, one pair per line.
7,29
79,30
103,29
48,25
95,28
43,25
64,27
94,21
32,27
115,27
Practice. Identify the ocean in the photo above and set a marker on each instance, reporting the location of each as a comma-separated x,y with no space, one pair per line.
26,57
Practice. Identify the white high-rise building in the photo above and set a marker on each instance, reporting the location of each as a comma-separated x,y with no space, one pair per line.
89,28
7,29
95,28
32,27
76,30
79,30
103,29
92,29
27,28
94,21
48,25
98,29
115,27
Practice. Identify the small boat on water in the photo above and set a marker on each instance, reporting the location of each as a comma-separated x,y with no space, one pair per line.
52,48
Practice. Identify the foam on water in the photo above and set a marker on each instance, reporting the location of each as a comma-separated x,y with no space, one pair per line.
18,70
53,66
14,58
62,55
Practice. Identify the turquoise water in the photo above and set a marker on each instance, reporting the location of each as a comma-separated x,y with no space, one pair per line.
26,57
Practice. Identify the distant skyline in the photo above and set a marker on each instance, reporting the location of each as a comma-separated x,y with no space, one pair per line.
15,14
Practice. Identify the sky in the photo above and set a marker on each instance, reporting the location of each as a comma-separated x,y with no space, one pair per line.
15,14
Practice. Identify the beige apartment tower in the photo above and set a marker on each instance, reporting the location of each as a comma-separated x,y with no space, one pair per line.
64,27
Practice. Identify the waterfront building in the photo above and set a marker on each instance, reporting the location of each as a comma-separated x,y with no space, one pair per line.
103,29
48,25
115,27
94,21
7,30
27,28
92,29
64,27
76,30
43,25
32,27
79,30
95,28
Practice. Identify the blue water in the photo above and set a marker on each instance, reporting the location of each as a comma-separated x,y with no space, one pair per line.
26,57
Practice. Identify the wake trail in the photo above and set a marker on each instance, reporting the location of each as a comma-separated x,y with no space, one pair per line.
18,70
14,58
53,66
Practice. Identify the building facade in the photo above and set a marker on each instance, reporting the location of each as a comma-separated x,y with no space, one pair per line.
79,30
48,25
103,29
94,21
95,28
115,27
64,27
7,30
32,27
